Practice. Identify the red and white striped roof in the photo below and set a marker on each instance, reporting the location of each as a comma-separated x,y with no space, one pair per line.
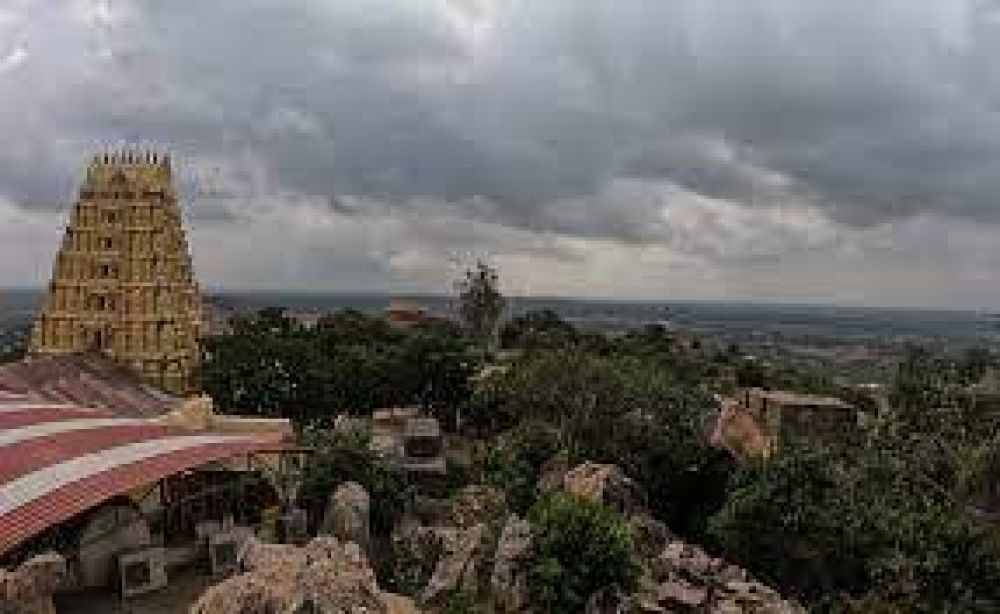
59,460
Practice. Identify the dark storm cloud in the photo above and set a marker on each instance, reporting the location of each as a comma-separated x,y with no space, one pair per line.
533,111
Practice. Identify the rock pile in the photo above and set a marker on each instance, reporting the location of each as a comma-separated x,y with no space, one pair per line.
326,576
509,582
685,576
28,589
462,565
458,544
677,575
471,545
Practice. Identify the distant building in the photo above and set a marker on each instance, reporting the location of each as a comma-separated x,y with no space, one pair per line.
217,317
786,413
307,319
122,283
404,312
754,421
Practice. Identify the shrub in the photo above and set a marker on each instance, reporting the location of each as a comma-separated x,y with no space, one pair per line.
579,547
513,463
411,564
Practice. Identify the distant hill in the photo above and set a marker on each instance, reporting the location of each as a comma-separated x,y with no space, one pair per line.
736,321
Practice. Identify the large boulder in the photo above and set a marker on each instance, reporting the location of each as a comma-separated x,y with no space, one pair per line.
28,589
462,566
348,513
605,483
243,594
344,582
552,473
509,582
650,535
327,575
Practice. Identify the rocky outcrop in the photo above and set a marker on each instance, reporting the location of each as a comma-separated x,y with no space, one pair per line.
441,547
509,581
462,566
552,473
327,575
347,514
28,589
685,577
650,535
677,576
605,483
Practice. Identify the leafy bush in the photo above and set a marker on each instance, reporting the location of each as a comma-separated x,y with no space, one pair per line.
411,564
514,462
578,548
462,602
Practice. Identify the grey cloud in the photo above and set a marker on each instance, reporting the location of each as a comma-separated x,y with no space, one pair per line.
562,118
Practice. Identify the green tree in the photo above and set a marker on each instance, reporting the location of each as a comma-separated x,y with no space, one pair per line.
578,548
480,303
538,329
349,362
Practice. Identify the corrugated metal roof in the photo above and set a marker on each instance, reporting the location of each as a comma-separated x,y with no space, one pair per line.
89,379
58,460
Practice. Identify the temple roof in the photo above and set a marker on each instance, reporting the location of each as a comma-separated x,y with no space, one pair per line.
58,460
89,379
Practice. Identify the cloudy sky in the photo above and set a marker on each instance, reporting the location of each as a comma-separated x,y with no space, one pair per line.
842,151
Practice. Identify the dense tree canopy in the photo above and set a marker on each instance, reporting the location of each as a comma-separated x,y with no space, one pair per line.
538,329
350,362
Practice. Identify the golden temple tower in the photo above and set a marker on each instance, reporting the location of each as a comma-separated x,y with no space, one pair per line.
122,283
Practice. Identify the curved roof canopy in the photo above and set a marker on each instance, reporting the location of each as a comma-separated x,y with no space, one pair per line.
58,460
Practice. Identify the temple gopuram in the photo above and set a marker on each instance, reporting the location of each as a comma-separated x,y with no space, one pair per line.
122,283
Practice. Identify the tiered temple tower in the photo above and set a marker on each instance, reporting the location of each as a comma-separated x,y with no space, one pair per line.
122,283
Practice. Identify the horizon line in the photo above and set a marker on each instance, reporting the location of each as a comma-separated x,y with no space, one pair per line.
578,299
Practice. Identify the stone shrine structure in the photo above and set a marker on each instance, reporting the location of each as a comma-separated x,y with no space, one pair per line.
122,283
